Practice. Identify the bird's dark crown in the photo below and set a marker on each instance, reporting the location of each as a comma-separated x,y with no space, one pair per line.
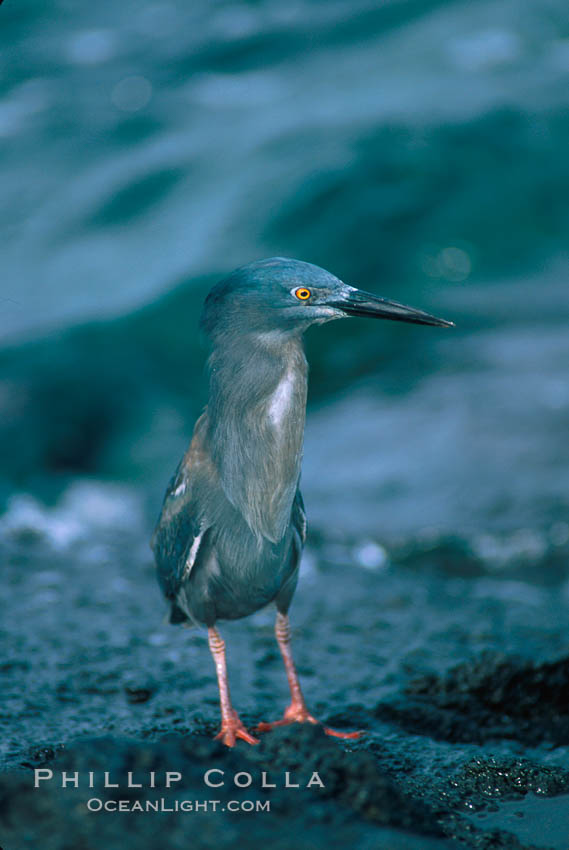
273,294
285,296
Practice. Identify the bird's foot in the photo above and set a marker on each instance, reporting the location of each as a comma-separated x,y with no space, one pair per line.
298,713
231,729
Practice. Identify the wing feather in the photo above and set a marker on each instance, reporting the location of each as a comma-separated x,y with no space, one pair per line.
299,516
181,527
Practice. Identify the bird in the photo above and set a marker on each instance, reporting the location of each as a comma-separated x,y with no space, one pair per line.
232,527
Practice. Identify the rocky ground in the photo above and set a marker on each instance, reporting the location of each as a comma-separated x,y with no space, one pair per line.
458,676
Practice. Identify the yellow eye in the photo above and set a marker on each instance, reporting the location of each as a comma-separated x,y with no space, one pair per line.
303,294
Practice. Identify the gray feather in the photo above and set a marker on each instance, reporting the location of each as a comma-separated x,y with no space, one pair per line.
257,453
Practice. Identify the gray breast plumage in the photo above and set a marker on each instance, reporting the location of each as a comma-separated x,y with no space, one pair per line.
227,544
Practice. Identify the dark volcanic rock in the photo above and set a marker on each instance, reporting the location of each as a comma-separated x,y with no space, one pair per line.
493,697
491,779
356,801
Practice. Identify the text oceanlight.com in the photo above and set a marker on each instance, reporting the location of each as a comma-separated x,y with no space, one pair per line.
95,804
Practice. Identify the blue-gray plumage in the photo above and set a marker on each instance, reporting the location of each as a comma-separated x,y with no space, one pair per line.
232,527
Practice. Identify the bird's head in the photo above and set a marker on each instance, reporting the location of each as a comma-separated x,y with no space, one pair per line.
281,295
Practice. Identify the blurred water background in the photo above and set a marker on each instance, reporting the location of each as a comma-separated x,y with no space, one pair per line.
416,148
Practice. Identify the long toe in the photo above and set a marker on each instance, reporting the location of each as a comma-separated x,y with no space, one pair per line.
226,736
274,724
337,734
232,730
295,713
299,714
246,736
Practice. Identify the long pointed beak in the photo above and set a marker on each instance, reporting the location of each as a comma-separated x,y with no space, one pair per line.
355,302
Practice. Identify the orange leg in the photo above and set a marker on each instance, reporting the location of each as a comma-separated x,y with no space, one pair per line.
297,711
231,725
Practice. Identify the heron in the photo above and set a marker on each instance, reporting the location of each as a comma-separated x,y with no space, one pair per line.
232,527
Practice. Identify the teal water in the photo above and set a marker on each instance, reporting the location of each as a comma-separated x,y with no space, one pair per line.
414,148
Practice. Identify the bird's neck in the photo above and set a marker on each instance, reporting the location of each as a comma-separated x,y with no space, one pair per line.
256,414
